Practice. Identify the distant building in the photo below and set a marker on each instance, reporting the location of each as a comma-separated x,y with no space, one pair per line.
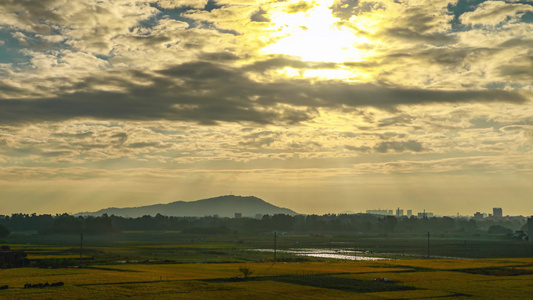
238,215
382,212
478,216
409,212
425,214
399,212
497,212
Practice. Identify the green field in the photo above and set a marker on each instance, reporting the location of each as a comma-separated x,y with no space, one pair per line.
413,279
176,247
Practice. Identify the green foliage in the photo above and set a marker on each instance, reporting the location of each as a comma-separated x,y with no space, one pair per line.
246,272
342,223
497,229
4,232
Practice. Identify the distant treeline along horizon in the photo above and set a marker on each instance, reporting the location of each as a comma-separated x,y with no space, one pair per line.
355,223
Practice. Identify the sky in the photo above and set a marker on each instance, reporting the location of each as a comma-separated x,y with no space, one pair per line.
318,106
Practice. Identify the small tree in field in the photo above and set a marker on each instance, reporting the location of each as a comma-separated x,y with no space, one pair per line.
245,272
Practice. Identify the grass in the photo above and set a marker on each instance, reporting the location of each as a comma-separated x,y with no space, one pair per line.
171,265
494,271
310,280
339,282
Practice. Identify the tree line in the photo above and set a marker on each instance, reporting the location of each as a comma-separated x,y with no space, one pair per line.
363,223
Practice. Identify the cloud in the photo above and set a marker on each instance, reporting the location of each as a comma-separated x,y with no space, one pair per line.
208,93
84,26
363,149
301,6
492,13
172,4
260,16
396,146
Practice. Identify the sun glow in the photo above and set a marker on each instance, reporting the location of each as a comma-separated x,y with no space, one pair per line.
314,35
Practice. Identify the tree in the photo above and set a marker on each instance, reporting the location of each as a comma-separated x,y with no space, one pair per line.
246,272
497,229
4,232
389,223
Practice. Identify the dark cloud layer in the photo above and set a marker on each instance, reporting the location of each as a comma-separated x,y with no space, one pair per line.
208,93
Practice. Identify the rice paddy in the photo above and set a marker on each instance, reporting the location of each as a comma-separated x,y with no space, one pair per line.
136,266
413,278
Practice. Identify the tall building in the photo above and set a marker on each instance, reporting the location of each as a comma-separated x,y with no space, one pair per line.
497,213
409,212
399,212
478,216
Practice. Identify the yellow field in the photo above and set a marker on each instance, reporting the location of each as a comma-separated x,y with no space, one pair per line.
432,278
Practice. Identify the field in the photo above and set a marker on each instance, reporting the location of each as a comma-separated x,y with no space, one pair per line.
170,265
187,248
413,279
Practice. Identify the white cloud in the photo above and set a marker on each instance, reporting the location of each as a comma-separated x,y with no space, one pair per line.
492,13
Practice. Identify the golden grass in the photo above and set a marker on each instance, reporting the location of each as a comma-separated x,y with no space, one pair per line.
184,281
450,264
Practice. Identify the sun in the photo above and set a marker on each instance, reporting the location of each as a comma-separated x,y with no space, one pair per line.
314,35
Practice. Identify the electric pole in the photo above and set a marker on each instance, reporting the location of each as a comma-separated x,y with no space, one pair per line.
275,240
428,244
81,248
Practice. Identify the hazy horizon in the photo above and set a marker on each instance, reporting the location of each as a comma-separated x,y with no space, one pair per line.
317,106
487,210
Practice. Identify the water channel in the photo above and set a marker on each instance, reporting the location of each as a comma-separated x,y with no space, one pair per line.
328,253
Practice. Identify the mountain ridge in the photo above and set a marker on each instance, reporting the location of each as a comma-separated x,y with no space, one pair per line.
223,206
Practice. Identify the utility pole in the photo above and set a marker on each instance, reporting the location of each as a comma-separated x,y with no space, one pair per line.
81,248
275,240
428,244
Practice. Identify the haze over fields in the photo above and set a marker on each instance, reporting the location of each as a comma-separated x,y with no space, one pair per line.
320,106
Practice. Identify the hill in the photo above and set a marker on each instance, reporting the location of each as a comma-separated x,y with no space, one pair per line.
223,206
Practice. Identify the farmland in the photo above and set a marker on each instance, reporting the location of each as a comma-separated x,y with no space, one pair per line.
149,265
413,278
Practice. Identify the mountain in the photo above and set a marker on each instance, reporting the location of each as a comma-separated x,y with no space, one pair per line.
223,206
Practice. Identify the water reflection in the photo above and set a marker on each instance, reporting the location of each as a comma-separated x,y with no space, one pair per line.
327,253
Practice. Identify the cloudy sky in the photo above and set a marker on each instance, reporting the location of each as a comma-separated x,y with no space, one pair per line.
319,106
